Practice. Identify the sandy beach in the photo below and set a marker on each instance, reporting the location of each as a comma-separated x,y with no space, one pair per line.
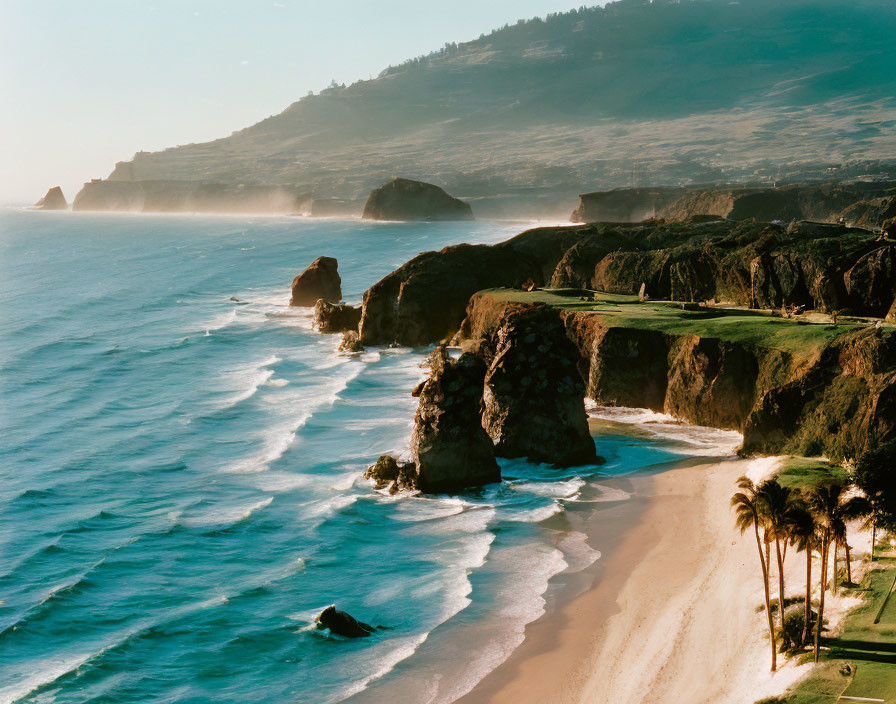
672,615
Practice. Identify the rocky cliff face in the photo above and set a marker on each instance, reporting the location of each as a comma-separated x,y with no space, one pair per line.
320,281
190,197
334,317
403,199
53,200
839,403
450,448
820,267
841,406
625,204
859,204
425,300
534,396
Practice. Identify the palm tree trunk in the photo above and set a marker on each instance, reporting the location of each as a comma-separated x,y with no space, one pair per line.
834,576
848,566
808,613
768,601
824,573
780,582
873,536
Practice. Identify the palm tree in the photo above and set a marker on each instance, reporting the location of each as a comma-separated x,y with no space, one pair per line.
854,508
831,510
823,502
747,507
776,503
803,535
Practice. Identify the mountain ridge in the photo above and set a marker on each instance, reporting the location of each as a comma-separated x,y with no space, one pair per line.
634,93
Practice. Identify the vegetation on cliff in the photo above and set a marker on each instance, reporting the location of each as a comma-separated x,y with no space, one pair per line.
791,387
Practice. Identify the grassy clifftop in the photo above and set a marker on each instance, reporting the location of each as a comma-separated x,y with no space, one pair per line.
792,387
803,340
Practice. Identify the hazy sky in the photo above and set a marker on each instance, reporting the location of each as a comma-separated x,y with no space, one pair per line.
85,84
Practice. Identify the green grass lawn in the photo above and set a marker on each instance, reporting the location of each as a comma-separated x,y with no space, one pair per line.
799,338
803,473
870,648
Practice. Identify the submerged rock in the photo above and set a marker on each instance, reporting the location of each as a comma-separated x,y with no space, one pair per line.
451,449
319,281
404,199
351,342
389,473
334,317
341,623
534,398
54,200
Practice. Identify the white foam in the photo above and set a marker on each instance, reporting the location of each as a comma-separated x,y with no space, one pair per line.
577,553
609,493
529,568
279,436
560,489
218,516
248,380
682,438
46,673
533,515
422,508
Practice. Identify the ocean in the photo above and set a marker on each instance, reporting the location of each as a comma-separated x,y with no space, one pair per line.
181,462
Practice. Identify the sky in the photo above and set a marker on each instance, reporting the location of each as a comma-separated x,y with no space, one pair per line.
86,84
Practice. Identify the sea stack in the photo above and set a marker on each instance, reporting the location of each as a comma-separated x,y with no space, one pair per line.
319,281
534,398
404,199
450,448
54,200
334,317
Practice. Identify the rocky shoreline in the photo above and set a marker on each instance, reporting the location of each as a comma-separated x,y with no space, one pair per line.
750,333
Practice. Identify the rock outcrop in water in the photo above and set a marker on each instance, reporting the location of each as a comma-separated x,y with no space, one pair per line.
320,281
450,448
341,623
389,473
534,397
53,200
351,342
334,317
403,199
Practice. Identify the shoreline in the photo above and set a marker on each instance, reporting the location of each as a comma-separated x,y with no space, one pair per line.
649,628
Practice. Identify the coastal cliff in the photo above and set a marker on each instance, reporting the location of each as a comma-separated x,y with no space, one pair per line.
806,389
53,200
713,350
825,268
862,204
404,199
190,197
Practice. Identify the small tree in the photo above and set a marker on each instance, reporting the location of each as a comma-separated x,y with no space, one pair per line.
747,506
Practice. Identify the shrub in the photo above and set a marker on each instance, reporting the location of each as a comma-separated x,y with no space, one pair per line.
790,636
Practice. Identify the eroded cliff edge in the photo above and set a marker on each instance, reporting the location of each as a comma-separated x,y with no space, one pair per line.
791,384
790,387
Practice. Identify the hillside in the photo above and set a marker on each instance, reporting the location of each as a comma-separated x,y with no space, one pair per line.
636,93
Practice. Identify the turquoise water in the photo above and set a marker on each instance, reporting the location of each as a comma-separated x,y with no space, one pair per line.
180,475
